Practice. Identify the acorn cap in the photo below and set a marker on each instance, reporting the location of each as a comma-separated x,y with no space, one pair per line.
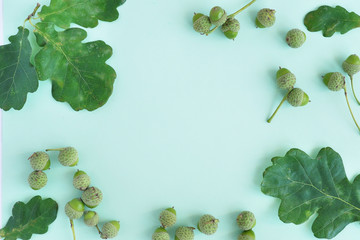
37,180
351,65
184,233
92,197
297,97
246,220
40,161
231,28
295,38
335,81
265,18
74,209
160,234
168,217
110,229
91,218
285,79
81,180
208,224
201,23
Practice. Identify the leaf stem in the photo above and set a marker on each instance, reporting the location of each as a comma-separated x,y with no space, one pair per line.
72,228
352,87
241,9
2,233
31,23
34,12
281,103
352,115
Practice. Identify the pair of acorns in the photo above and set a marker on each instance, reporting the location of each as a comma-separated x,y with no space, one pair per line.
207,225
265,18
336,81
286,80
40,161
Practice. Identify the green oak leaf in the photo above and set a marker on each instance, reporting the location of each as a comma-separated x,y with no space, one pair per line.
306,186
17,75
34,217
330,20
85,13
77,70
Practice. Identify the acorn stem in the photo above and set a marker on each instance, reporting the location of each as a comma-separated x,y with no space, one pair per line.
72,228
97,227
352,115
241,9
281,103
55,149
212,30
352,87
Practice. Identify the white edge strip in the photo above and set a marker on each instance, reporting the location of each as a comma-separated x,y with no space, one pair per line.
1,43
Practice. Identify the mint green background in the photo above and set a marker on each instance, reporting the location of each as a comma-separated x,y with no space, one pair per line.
186,124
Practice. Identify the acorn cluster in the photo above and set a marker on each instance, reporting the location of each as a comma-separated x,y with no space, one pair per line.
230,26
91,196
218,17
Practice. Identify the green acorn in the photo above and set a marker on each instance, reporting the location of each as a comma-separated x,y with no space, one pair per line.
40,161
201,23
37,180
246,220
335,81
217,16
297,97
68,156
285,79
92,197
247,235
265,18
81,180
295,38
208,224
231,28
184,233
168,217
351,65
74,209
110,229
91,218
161,234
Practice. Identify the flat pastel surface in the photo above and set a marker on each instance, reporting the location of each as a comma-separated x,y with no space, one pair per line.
186,123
